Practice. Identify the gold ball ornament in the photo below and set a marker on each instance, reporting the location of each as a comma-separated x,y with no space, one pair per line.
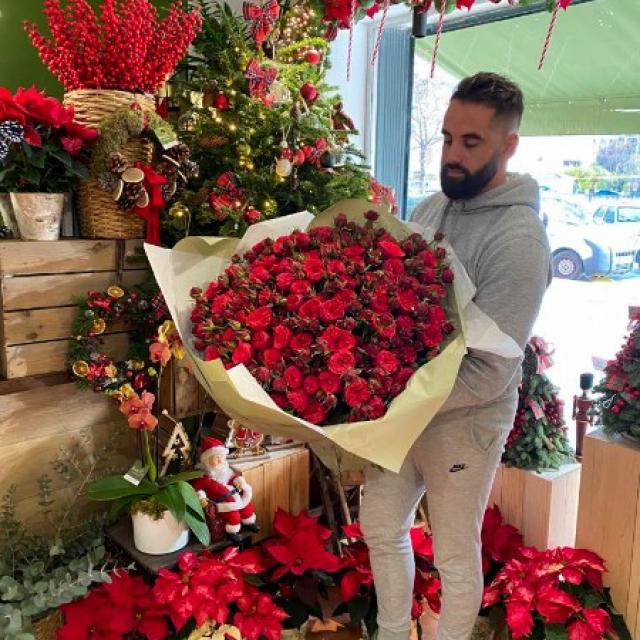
178,210
80,368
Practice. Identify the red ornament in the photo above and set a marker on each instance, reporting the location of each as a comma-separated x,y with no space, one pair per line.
309,92
299,157
221,102
312,56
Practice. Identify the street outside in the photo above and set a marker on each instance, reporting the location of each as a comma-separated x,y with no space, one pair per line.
583,319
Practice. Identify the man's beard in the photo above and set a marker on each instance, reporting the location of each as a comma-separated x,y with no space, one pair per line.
471,184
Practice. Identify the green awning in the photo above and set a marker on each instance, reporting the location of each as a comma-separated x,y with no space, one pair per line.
591,80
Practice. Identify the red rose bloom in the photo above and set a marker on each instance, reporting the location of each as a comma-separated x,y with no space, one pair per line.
293,377
310,309
272,357
341,362
387,361
299,400
356,393
314,413
332,310
314,269
281,336
336,338
261,340
311,384
242,353
300,287
329,382
391,249
260,318
301,341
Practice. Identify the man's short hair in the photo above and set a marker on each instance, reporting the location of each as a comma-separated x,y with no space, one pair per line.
494,91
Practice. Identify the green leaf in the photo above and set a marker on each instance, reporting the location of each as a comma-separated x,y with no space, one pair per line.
63,156
555,632
179,477
199,527
120,504
115,487
191,499
171,497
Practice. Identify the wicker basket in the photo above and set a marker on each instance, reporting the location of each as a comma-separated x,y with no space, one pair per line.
100,217
46,628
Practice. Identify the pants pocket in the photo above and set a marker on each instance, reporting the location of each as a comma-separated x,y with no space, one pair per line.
488,427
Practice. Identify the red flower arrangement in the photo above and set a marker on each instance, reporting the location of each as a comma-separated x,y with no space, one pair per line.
129,48
39,142
332,322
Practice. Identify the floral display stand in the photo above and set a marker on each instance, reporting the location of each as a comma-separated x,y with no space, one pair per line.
609,517
544,506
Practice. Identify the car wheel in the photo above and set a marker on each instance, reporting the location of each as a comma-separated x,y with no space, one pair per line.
567,264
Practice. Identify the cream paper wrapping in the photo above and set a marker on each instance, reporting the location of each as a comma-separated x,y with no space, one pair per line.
196,261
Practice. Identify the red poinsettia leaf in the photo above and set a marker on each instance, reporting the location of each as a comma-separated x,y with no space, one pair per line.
519,619
278,550
572,576
154,628
491,595
350,585
422,543
353,531
582,558
284,523
579,630
598,619
554,605
565,3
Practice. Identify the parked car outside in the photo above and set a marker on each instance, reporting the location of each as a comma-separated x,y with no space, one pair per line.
582,247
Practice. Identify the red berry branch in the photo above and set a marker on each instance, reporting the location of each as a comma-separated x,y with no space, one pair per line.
128,48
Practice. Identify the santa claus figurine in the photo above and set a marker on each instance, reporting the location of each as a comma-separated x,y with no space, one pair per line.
224,489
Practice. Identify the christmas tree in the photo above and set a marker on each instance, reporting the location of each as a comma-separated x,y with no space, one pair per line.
269,135
620,388
538,439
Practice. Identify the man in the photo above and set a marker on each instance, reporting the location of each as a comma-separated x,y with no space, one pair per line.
490,218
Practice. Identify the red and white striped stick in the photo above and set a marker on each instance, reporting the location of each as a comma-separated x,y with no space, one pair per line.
436,46
547,40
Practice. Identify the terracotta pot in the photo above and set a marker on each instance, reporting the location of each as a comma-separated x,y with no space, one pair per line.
157,537
38,214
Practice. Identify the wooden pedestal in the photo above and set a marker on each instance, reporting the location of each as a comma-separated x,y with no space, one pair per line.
609,517
281,481
544,506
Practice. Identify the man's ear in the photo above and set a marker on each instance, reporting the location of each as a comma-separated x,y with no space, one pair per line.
511,144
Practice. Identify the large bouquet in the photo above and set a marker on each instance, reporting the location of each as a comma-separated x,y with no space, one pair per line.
341,321
41,145
332,322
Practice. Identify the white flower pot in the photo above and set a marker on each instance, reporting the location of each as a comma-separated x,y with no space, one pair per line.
157,537
38,214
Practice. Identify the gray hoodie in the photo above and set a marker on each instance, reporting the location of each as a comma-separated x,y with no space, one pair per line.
500,240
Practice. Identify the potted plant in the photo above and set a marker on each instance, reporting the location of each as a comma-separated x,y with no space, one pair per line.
555,593
41,157
163,509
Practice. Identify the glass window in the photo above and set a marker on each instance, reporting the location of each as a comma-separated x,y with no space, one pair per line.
629,214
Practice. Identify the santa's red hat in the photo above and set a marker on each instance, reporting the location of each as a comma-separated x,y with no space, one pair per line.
211,446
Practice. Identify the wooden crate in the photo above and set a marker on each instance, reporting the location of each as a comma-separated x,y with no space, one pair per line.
281,481
544,506
180,392
38,281
39,418
609,517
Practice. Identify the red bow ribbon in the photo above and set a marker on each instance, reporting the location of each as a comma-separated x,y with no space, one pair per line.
262,18
544,352
151,213
260,78
228,190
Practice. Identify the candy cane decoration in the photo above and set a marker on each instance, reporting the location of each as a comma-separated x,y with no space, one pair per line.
547,41
351,24
434,57
376,48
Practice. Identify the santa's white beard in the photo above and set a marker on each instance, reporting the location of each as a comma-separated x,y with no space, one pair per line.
220,473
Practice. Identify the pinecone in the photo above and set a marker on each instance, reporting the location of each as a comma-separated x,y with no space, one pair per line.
130,194
116,162
108,180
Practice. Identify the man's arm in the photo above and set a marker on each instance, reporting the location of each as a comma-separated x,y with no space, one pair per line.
512,280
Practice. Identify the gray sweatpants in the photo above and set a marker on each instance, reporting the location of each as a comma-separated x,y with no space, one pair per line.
455,459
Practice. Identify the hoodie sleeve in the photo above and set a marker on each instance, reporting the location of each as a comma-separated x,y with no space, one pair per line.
513,274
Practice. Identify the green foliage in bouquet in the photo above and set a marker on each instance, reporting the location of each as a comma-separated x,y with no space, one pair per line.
538,439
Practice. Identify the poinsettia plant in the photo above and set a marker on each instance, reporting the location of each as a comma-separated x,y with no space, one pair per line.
42,148
556,593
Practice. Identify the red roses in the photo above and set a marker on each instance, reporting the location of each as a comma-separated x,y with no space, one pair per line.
332,322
